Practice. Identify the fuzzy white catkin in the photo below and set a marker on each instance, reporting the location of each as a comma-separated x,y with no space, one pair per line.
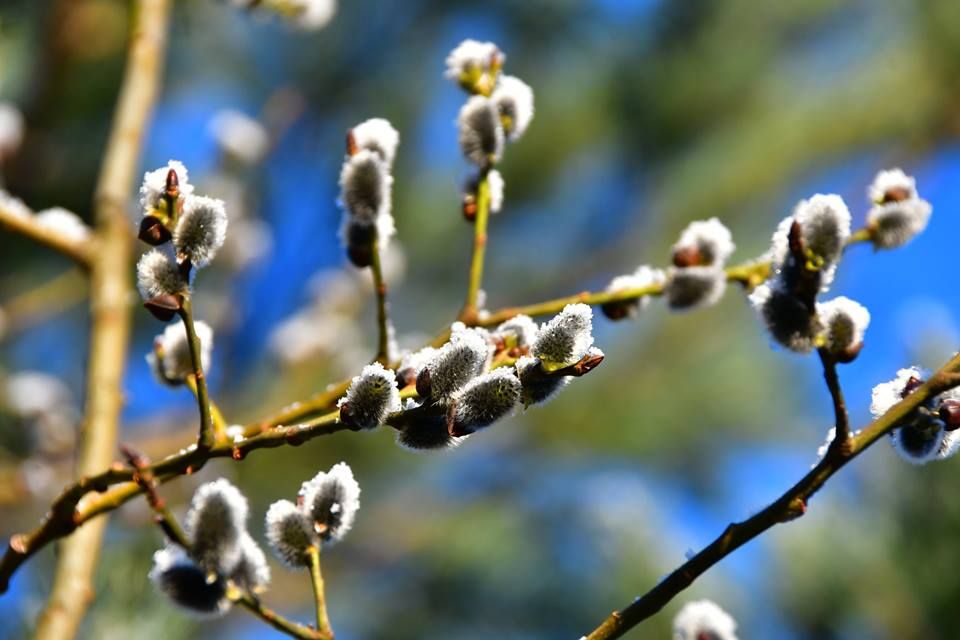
175,575
365,186
239,136
486,399
64,222
289,533
314,15
711,238
565,339
33,393
472,54
252,571
645,276
887,394
844,321
215,524
789,321
371,397
514,100
11,129
825,225
155,184
694,287
158,274
201,230
703,618
481,134
888,182
919,446
894,224
177,363
519,331
379,136
457,362
331,501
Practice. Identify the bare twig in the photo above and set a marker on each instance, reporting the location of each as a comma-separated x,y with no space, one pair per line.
316,579
252,604
380,290
207,436
469,312
54,296
841,436
790,505
110,267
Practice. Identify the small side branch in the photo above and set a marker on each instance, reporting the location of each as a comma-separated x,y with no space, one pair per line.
787,507
207,436
316,579
252,604
841,417
469,312
383,319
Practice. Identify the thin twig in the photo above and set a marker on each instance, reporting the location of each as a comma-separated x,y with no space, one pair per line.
380,290
252,604
469,312
789,506
110,284
841,417
316,579
80,251
219,422
207,436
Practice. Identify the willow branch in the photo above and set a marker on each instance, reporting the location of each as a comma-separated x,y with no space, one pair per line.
109,267
469,312
24,223
383,320
748,274
788,506
316,579
76,506
207,436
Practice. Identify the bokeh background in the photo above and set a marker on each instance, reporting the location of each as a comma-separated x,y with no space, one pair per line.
649,115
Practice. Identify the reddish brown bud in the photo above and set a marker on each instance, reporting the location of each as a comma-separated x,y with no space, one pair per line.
687,257
619,310
153,232
849,354
795,240
912,385
164,306
352,148
406,377
173,184
237,454
424,387
896,194
469,207
950,414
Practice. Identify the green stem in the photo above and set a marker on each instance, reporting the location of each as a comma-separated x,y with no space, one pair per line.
383,320
219,423
469,312
206,439
253,605
316,579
